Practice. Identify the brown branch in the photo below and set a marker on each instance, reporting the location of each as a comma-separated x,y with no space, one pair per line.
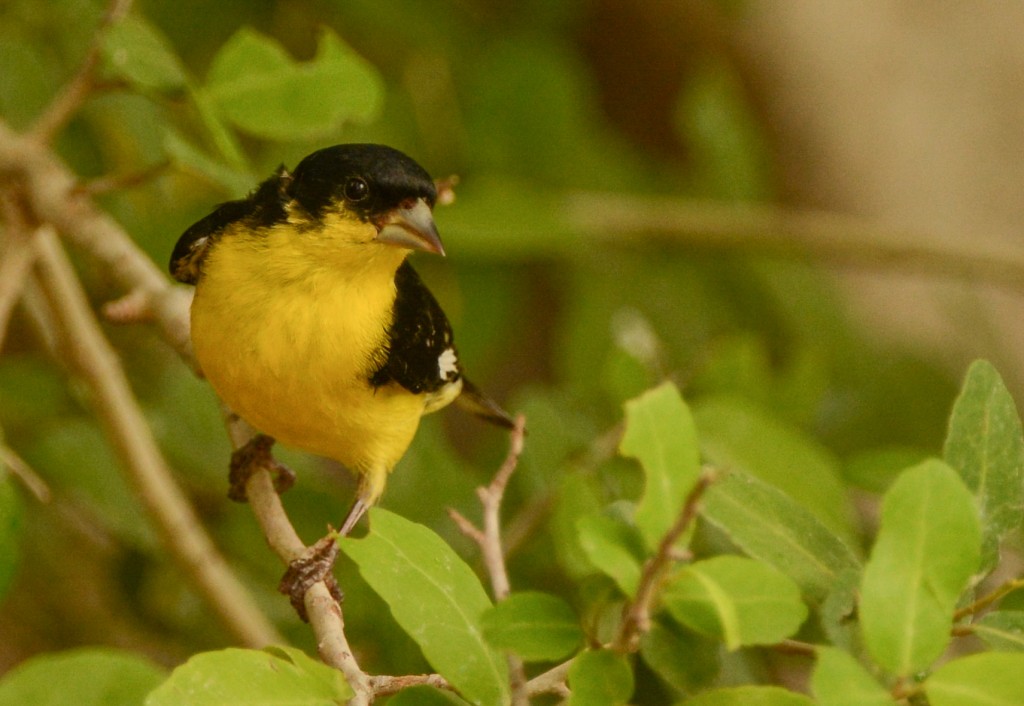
385,685
489,541
830,238
83,84
20,469
18,255
551,681
1001,591
50,191
118,182
87,352
636,614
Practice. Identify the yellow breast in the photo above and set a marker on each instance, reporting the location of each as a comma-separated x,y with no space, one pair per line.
288,332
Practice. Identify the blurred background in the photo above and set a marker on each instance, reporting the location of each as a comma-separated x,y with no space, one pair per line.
563,120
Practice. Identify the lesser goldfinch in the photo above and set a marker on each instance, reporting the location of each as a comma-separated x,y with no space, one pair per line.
309,322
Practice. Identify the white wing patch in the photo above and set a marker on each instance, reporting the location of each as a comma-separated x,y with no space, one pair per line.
447,364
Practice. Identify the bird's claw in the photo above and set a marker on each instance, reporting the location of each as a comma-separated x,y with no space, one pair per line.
255,455
314,566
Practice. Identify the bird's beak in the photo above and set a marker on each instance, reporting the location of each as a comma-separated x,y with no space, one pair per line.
411,226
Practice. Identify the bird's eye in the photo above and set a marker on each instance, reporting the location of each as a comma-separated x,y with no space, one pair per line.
356,189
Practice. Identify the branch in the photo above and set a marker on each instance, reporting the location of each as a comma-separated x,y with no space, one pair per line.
15,266
1000,592
87,351
830,238
74,94
551,681
20,469
636,615
489,541
51,194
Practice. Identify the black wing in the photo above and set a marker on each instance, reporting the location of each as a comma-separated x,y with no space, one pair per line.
421,356
262,208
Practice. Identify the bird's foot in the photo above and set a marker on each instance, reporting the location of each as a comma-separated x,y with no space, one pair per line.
254,456
314,566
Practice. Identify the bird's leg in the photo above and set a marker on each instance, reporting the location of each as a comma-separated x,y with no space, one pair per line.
251,458
313,566
359,508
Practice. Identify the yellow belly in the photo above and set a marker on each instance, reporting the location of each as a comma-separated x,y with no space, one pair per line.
293,357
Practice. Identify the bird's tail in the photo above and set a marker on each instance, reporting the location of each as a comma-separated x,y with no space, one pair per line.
476,402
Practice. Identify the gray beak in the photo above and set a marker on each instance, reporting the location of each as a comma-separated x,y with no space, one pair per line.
411,227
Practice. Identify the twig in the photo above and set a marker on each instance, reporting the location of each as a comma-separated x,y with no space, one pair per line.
23,472
636,614
830,238
17,260
489,541
82,84
385,686
325,615
88,352
117,182
984,602
50,192
551,681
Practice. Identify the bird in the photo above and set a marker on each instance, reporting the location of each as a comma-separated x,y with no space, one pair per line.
311,324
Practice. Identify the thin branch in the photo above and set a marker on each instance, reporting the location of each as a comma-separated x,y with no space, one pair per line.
385,685
830,238
51,194
88,352
18,255
1000,592
489,541
83,84
636,615
551,681
118,182
20,469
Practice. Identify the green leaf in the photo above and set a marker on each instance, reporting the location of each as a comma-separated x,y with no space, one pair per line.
10,529
738,600
610,547
190,158
578,497
986,679
660,434
749,696
928,546
685,660
769,525
277,676
436,598
736,435
536,626
264,92
600,678
985,444
1002,630
137,51
86,677
840,680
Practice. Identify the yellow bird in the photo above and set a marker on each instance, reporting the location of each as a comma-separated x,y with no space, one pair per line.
309,322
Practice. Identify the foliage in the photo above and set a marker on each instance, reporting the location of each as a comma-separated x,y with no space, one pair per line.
791,407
